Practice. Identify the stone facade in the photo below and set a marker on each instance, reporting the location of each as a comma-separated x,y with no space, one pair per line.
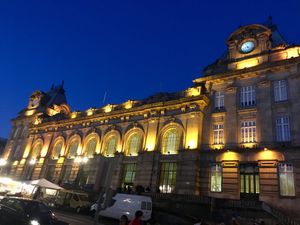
233,134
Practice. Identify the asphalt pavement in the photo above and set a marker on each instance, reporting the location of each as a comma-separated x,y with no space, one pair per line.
79,219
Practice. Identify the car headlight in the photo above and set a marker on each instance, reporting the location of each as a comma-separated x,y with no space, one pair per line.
34,222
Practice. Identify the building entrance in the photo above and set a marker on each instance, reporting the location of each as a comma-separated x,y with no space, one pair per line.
249,181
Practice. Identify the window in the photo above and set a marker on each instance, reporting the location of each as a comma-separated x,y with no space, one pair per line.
286,177
170,141
283,129
17,151
218,134
248,131
111,146
56,149
134,144
280,90
36,150
216,178
248,97
91,147
129,174
167,177
219,100
73,149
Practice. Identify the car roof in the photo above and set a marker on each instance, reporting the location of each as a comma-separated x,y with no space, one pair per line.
22,199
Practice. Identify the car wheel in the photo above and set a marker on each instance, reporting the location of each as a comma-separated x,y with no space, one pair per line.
78,210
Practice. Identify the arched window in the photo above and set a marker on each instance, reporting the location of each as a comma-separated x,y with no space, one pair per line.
170,141
90,147
36,151
57,149
134,144
73,149
111,146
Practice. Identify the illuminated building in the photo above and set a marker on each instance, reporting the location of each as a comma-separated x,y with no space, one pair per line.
233,134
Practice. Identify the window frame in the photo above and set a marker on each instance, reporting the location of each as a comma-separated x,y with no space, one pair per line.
219,100
248,129
286,165
217,169
280,91
248,96
283,129
168,172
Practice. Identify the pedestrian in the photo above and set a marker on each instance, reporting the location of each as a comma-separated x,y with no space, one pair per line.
124,220
138,218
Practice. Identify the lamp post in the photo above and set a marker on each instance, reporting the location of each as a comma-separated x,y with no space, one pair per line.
3,163
80,160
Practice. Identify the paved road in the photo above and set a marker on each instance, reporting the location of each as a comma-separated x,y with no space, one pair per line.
77,219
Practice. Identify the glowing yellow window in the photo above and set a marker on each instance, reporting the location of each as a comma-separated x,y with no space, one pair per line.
73,149
57,149
134,144
111,146
170,142
90,147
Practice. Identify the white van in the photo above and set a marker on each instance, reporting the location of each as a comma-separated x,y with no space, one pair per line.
77,201
126,204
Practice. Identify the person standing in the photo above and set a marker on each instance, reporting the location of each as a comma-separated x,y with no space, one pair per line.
138,218
124,220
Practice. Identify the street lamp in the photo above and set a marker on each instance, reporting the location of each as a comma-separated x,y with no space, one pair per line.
3,162
80,160
32,161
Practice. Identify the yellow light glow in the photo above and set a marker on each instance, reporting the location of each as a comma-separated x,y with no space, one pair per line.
293,52
41,160
3,162
15,163
218,147
230,156
267,154
193,91
249,145
150,147
61,160
44,151
108,108
90,112
74,115
30,112
247,63
191,144
128,104
22,162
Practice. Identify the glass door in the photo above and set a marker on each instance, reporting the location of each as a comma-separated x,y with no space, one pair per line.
249,182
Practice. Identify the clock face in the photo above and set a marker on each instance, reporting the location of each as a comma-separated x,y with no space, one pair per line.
247,47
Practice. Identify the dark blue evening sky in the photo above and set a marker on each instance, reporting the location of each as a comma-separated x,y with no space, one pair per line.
129,49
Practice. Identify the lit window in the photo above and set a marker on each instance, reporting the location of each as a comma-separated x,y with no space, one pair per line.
111,146
57,149
248,97
283,129
218,134
129,174
91,147
286,177
248,131
134,144
216,178
280,90
36,150
72,151
170,142
219,100
167,177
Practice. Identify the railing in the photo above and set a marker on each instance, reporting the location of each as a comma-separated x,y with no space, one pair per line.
284,219
281,217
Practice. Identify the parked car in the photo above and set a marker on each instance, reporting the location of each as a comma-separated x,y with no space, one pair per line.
126,204
77,201
21,211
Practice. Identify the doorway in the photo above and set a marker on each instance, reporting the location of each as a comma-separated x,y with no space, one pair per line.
249,181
